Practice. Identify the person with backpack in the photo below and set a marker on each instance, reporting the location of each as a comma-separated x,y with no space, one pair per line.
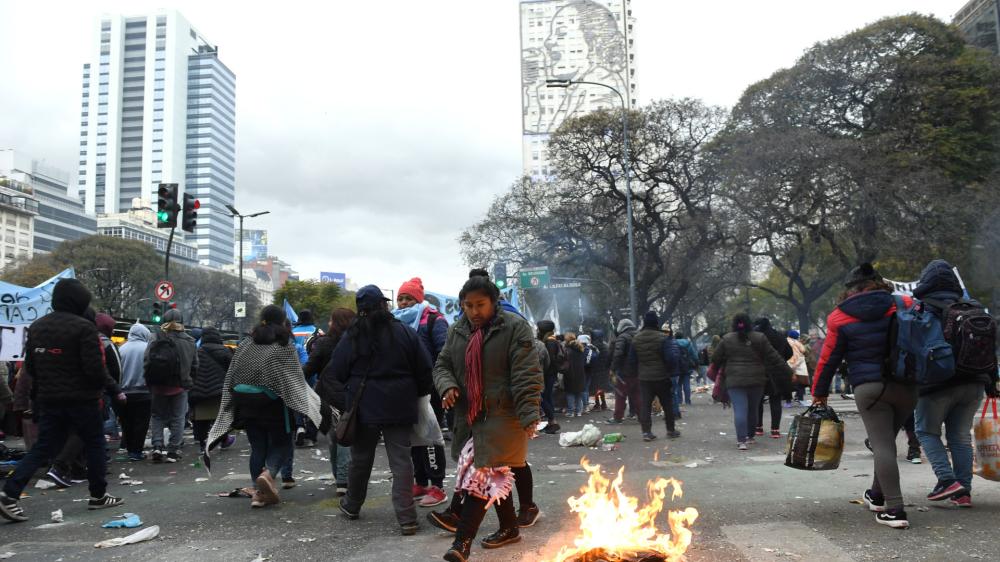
772,393
170,361
64,359
134,412
546,334
625,371
750,362
263,389
386,369
575,377
688,361
858,333
332,392
953,403
205,396
656,360
429,462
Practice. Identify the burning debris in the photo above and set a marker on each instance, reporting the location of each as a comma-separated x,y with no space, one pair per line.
613,528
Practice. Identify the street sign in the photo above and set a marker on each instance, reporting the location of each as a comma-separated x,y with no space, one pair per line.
164,290
241,309
569,285
534,277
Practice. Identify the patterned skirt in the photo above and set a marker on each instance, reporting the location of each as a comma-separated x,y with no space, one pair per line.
490,484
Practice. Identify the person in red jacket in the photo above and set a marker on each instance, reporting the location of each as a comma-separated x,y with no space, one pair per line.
858,333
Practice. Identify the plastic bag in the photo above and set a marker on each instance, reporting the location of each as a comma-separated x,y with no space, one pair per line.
987,452
589,436
143,535
815,440
426,432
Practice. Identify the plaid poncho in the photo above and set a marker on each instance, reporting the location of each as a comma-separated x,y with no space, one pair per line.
275,367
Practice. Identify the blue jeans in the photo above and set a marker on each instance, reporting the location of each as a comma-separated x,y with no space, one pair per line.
340,461
745,400
55,421
686,386
547,406
577,402
678,393
269,448
956,408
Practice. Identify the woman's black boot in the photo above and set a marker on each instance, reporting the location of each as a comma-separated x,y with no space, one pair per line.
459,551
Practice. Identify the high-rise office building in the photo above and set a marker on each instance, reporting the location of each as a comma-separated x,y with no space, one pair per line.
159,106
979,23
585,40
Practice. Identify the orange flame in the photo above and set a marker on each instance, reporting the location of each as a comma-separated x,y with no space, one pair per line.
612,521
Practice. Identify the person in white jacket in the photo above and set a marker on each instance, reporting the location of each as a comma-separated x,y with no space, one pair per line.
800,367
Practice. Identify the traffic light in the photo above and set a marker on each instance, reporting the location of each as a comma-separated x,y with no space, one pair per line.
500,274
157,312
166,205
189,220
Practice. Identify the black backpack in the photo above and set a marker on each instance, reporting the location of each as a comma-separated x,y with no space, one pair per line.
972,333
164,363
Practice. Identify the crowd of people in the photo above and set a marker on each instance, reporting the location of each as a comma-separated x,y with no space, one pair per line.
489,383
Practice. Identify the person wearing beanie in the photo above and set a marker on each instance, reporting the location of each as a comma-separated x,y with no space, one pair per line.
657,360
64,359
857,332
170,362
624,374
546,332
429,461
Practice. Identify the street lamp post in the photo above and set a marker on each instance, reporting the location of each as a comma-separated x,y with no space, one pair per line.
626,169
236,214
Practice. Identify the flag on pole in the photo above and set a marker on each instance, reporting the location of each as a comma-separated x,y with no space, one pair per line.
293,317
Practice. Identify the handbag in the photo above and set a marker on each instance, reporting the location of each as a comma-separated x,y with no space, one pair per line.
986,461
815,440
347,426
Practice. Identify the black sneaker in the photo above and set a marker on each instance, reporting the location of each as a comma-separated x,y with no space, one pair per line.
673,434
157,456
913,455
945,489
172,457
10,509
895,518
300,437
348,514
502,537
874,503
60,480
648,436
104,502
444,520
868,444
527,516
287,483
409,529
613,421
551,429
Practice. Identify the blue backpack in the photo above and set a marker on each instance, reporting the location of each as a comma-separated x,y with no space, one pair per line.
919,353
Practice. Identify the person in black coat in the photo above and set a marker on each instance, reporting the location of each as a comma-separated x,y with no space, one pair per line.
206,394
332,391
773,395
385,368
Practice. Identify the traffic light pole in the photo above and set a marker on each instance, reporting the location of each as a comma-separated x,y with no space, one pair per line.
166,260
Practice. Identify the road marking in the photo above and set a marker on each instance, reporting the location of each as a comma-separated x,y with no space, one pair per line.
783,541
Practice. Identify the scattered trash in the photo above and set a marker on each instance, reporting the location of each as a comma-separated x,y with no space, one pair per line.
237,493
261,558
610,446
614,438
859,502
722,433
923,508
142,491
143,535
44,484
201,479
131,482
57,516
129,521
306,539
586,437
4,555
799,498
124,476
304,471
52,525
691,465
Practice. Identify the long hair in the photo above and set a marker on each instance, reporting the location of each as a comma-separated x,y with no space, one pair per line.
864,287
271,328
366,328
742,326
340,321
479,282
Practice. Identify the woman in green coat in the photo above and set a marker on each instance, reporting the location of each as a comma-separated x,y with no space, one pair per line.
489,373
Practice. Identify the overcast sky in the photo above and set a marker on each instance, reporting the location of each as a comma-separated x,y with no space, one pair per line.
375,132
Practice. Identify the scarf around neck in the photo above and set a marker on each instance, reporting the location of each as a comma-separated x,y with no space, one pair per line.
411,316
474,372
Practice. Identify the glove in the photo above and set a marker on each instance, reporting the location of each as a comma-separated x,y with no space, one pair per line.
327,422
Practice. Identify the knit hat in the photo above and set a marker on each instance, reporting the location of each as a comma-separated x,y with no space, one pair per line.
625,324
650,320
172,315
414,287
545,327
794,334
105,324
862,273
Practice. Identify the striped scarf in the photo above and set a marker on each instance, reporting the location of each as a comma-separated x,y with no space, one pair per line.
474,373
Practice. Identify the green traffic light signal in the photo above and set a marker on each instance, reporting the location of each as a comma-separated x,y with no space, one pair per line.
501,283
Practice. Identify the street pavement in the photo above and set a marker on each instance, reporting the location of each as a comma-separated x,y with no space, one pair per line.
752,508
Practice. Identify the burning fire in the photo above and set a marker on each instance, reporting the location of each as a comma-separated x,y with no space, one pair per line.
613,527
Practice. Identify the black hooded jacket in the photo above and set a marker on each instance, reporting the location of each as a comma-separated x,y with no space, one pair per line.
63,352
213,362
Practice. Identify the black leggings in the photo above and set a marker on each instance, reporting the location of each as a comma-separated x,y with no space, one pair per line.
524,482
774,401
473,511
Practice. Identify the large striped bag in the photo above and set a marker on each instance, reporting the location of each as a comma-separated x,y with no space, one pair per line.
815,440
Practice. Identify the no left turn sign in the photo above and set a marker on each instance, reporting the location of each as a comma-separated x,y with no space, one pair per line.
164,290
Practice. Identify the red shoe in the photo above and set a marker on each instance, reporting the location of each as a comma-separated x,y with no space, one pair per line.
760,431
775,434
434,496
418,492
965,500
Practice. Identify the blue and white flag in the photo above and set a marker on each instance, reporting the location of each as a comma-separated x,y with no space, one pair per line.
293,316
19,307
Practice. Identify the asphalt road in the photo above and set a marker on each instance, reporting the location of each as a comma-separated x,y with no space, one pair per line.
751,506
